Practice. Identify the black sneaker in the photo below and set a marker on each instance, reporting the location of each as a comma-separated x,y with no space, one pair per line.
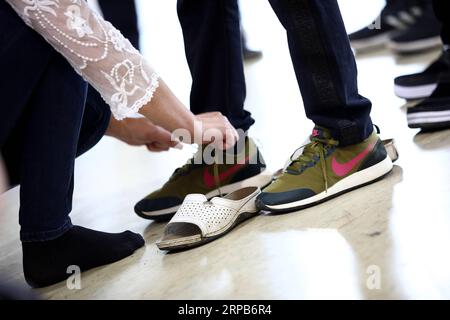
395,17
422,35
434,112
421,85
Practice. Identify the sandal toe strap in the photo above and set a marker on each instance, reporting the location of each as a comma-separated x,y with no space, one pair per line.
209,218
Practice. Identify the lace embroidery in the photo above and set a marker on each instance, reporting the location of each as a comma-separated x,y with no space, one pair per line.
96,50
76,22
122,114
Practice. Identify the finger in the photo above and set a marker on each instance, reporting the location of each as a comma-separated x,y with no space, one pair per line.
151,147
235,134
230,139
164,137
155,147
232,130
213,114
230,134
176,145
162,146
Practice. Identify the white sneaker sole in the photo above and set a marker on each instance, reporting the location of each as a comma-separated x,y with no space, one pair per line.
423,118
261,180
415,46
417,92
352,182
372,43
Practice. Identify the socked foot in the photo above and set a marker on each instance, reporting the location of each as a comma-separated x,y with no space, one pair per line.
46,263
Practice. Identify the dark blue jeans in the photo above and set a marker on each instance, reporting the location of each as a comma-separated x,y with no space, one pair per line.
320,52
45,124
213,46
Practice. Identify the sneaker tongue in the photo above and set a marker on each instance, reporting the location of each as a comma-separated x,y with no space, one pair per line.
320,133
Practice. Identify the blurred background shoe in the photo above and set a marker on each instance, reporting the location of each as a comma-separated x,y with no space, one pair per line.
396,15
392,25
423,34
433,113
421,85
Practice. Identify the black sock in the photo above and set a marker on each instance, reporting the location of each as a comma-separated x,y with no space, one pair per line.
46,263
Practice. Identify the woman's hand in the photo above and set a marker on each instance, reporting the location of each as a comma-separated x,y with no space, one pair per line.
142,132
167,111
215,128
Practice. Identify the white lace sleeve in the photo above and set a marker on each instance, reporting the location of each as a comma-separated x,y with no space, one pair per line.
95,49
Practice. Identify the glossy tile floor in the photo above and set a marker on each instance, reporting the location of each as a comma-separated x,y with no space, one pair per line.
388,240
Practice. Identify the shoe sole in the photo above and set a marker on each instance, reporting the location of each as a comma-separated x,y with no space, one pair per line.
369,44
261,180
429,120
185,246
352,182
416,92
415,46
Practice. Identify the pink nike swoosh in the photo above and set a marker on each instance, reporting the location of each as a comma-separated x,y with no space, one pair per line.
342,169
209,180
315,133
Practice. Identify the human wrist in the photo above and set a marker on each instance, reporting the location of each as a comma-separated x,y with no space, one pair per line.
115,128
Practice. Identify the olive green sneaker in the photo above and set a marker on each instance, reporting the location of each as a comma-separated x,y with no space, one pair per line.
244,169
325,170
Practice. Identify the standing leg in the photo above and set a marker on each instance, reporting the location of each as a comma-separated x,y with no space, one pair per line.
325,67
344,153
212,39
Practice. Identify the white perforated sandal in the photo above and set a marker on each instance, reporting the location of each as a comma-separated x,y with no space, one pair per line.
199,221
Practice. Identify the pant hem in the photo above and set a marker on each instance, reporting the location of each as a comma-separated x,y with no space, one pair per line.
46,235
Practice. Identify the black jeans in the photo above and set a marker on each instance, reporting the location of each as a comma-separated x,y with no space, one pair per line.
320,51
442,10
43,127
212,39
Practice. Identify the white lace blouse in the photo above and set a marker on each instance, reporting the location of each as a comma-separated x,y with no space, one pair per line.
95,49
